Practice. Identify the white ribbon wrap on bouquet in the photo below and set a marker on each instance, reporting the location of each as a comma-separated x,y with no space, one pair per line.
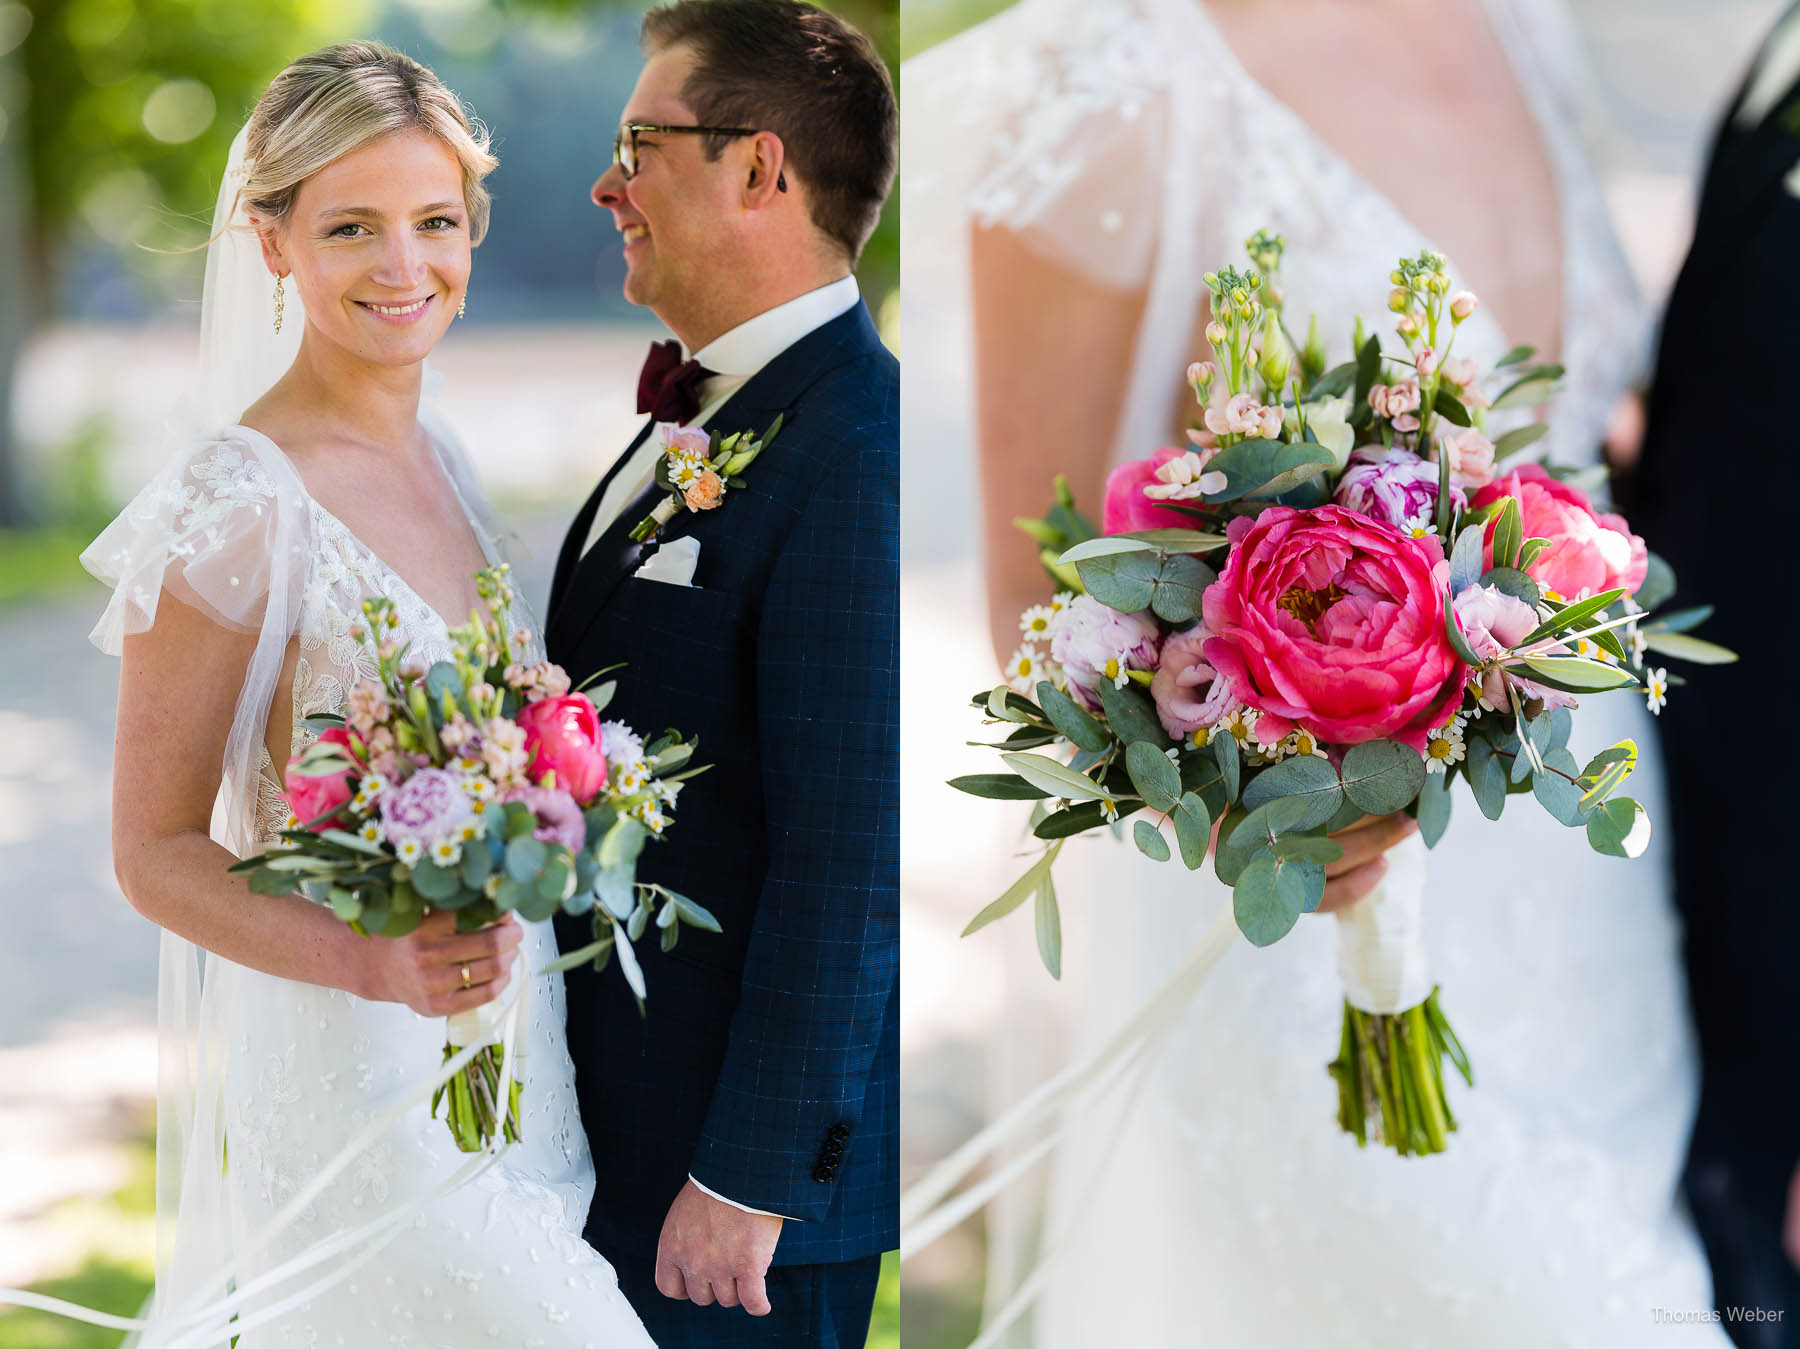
1381,940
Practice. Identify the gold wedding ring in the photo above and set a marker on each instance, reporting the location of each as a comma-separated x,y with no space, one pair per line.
465,975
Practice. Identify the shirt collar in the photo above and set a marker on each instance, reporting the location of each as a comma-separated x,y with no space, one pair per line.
751,345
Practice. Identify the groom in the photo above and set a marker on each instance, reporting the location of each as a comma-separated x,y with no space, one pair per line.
745,1132
1716,491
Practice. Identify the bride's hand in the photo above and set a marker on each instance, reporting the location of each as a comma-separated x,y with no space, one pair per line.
425,969
1362,866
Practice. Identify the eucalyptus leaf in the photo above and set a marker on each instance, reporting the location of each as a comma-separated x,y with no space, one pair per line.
1306,848
436,883
1679,620
440,679
1074,721
1226,754
1157,780
998,787
1150,841
1267,900
1486,773
1193,830
1434,808
1177,540
1466,559
628,964
1131,714
1555,792
1304,778
620,847
1382,776
1619,827
694,914
1658,586
1108,545
1180,583
1512,581
1122,581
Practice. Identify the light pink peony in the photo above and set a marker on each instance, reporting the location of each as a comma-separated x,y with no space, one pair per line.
1092,642
1471,456
1188,692
310,797
1242,415
1126,508
562,736
1326,617
559,818
428,808
1492,623
1588,553
1391,485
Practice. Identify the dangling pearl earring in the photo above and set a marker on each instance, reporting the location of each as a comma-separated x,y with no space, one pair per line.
280,302
462,307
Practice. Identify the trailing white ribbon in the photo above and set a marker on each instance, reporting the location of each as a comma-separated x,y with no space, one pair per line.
219,1321
1381,939
926,1210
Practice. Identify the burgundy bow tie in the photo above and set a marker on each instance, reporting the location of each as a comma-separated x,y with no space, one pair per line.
669,387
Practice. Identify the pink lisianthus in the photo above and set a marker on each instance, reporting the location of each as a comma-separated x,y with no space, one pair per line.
559,818
562,736
1328,618
1493,623
1126,508
1242,415
1589,552
1397,402
1188,692
1393,486
1471,457
1093,643
311,796
686,440
428,808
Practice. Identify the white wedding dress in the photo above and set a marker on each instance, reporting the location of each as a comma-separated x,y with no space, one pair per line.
298,1070
1221,1205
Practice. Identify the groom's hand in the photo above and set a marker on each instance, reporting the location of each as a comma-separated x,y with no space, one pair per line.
711,1252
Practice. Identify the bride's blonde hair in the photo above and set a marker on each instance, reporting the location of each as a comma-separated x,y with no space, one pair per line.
337,100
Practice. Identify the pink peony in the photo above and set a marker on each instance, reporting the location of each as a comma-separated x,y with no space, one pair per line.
562,736
1471,456
1393,486
559,818
1188,692
428,808
310,797
1092,642
1492,623
1327,617
1588,553
1127,509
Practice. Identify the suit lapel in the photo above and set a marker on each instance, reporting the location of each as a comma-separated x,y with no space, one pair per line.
572,558
585,583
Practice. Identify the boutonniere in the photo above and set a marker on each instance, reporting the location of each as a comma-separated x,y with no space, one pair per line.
697,469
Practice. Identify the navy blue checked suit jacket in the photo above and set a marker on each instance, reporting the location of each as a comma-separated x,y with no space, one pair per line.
768,1063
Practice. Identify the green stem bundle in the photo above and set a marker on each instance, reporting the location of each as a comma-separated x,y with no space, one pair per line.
1390,1076
472,1094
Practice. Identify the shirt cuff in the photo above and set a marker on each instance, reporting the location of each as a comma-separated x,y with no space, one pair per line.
745,1208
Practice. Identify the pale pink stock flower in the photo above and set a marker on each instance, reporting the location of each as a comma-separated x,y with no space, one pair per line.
1186,478
1462,304
1244,416
1471,457
1397,402
1425,361
503,751
366,708
1461,372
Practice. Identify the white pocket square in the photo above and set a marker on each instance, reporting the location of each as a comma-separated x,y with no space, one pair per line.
673,563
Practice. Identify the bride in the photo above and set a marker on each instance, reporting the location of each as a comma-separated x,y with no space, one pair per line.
341,254
1093,160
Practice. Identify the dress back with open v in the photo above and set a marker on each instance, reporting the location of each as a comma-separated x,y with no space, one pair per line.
1222,1205
295,1071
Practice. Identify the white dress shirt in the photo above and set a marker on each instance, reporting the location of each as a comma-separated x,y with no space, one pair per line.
733,357
1777,66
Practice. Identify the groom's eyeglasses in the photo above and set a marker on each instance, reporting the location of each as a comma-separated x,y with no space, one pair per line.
625,143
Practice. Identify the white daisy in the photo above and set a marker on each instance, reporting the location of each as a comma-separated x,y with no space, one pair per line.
1444,746
1024,670
409,852
477,785
1656,689
1240,724
1637,642
1304,743
446,853
371,832
1035,621
1061,600
1418,527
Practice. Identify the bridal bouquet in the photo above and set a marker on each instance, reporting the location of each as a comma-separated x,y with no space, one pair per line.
1337,600
485,787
